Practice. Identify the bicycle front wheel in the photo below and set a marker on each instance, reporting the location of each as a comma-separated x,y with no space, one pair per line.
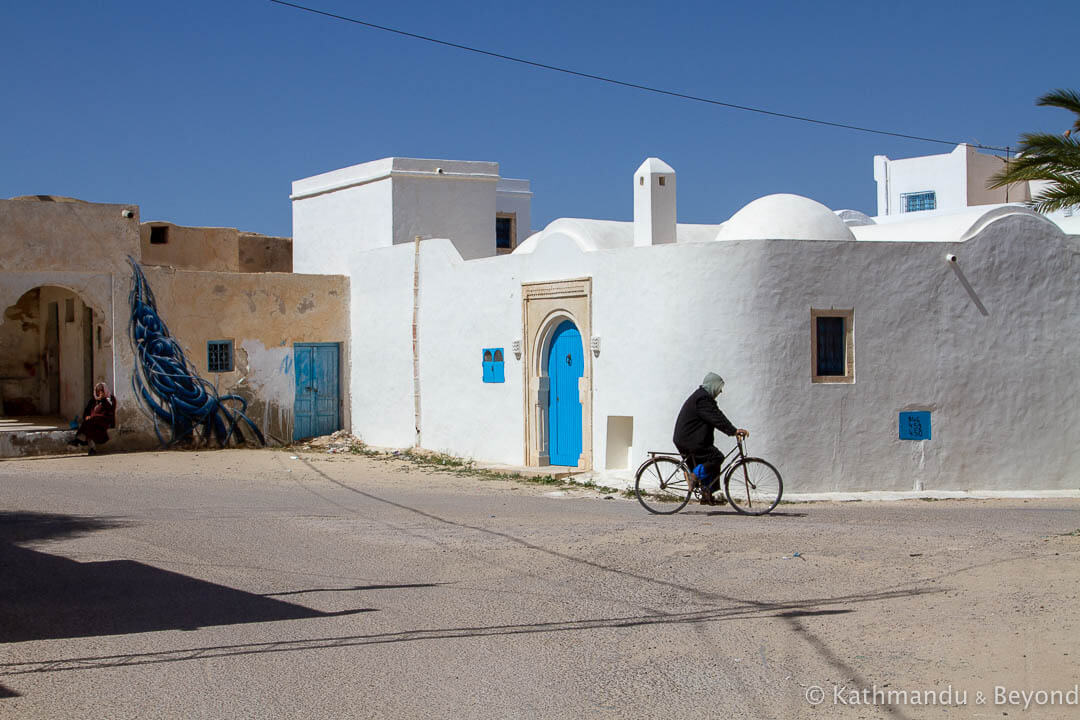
753,486
661,485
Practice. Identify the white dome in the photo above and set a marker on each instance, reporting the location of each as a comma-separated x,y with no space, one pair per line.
854,218
784,217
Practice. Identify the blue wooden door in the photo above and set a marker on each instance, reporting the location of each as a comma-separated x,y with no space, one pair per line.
565,366
315,409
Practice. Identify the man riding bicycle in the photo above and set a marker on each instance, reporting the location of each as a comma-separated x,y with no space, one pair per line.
694,427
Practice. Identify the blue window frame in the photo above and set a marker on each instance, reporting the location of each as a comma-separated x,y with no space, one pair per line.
493,365
219,356
914,202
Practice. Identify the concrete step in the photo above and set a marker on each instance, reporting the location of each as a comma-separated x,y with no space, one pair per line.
29,436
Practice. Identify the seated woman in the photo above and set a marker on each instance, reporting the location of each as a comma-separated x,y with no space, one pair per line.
98,417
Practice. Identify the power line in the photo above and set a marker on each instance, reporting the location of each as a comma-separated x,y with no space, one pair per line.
623,83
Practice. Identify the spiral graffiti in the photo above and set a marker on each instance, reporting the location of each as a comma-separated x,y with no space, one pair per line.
168,388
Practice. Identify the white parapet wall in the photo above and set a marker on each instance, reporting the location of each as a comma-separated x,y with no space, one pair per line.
338,214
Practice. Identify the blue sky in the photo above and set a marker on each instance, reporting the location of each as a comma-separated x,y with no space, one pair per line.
203,113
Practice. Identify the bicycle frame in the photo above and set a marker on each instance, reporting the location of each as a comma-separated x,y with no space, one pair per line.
732,456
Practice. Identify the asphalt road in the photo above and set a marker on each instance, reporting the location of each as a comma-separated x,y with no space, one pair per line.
243,584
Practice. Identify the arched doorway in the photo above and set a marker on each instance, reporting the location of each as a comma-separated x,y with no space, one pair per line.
565,365
558,395
48,367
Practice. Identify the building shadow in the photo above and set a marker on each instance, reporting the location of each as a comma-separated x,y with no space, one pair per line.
354,588
46,597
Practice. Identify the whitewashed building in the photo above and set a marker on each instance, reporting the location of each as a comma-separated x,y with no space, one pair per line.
838,336
952,181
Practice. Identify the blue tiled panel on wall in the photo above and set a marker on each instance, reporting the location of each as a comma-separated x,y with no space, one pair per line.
915,425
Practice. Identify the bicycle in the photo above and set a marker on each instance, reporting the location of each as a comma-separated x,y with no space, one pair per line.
751,485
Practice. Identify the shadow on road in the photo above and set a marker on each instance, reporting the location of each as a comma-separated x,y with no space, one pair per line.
355,588
202,653
790,613
44,596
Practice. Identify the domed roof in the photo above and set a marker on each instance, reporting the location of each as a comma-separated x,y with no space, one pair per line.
854,218
784,217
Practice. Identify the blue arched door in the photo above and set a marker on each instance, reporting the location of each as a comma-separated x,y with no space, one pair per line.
565,365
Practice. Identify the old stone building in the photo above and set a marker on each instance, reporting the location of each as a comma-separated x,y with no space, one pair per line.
238,315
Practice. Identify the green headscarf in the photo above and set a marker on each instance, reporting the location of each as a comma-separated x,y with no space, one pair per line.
713,383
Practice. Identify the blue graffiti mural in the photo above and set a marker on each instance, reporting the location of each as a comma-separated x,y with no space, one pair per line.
169,388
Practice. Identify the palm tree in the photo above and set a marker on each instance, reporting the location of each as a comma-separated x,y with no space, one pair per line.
1043,156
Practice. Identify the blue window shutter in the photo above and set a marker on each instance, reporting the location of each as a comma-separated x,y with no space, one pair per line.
493,365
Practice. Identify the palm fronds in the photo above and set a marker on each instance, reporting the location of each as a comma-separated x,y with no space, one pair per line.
1049,157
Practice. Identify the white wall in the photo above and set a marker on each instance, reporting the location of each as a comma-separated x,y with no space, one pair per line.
331,229
1002,388
462,209
381,371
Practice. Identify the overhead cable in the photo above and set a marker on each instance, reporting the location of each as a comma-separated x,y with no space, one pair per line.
635,86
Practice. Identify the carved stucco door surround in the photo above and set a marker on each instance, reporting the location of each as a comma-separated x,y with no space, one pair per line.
545,306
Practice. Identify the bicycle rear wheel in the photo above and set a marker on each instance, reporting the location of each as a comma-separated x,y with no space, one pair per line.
661,485
753,486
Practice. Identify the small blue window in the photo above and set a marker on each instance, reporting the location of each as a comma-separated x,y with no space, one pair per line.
219,356
493,365
915,425
914,202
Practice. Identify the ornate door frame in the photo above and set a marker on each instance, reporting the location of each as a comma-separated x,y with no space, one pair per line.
544,306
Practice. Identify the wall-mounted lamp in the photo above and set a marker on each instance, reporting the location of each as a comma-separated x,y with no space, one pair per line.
516,348
594,343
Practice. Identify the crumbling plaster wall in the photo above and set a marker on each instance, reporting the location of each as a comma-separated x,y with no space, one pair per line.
20,358
264,253
72,390
263,314
71,236
191,248
100,293
214,249
73,247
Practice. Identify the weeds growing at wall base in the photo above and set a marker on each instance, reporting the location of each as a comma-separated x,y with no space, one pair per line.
341,442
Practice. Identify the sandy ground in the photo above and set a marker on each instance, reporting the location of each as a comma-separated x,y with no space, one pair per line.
497,599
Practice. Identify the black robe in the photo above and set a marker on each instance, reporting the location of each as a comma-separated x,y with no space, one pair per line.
697,419
102,416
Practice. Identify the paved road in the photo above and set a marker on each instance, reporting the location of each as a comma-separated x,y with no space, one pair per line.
248,584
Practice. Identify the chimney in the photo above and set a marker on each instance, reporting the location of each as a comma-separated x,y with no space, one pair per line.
654,203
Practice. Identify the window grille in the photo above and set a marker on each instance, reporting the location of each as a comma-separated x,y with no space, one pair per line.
219,356
914,202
